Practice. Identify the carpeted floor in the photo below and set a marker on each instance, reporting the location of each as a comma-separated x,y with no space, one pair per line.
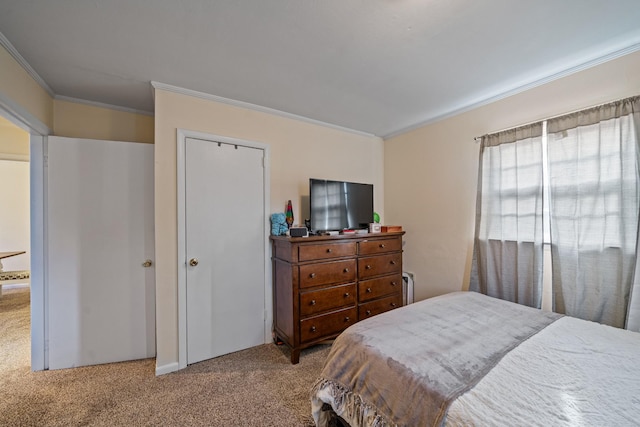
254,387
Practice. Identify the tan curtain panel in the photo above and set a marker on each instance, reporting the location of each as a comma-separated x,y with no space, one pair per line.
594,199
507,261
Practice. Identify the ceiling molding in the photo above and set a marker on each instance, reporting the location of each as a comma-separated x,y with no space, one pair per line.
541,81
21,117
254,107
103,105
25,65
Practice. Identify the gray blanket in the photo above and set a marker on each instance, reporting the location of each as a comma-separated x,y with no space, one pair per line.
406,366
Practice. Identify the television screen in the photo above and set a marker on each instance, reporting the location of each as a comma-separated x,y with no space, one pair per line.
339,205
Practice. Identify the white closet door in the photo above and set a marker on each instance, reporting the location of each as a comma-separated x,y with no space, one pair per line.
101,299
225,232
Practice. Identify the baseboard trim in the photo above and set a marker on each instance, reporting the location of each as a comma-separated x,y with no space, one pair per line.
166,369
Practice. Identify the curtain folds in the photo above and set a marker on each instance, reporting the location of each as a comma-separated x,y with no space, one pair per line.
593,186
508,255
594,194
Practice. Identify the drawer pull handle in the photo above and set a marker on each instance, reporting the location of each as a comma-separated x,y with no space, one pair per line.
346,270
369,290
393,283
393,262
312,275
347,319
313,302
313,329
393,304
368,312
329,250
381,245
346,294
368,267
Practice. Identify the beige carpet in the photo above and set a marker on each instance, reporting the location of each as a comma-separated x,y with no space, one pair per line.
254,387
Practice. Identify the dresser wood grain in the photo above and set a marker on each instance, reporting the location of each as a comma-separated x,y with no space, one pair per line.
324,284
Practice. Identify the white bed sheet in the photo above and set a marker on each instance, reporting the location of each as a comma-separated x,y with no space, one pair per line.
572,373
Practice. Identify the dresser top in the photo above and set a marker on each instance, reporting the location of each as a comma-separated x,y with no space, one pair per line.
338,237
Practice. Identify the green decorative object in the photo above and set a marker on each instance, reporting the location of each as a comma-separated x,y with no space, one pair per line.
376,218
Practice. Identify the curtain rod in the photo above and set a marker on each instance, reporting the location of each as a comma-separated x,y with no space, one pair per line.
479,138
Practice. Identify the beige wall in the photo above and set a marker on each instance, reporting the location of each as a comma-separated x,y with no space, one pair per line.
299,150
18,86
13,140
77,120
431,173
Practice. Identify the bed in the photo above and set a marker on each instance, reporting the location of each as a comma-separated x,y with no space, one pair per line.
465,359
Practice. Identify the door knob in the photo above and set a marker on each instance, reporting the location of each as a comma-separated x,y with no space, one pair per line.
147,263
193,262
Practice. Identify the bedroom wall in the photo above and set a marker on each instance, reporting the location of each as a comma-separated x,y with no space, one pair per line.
14,142
299,150
14,215
431,172
19,89
76,120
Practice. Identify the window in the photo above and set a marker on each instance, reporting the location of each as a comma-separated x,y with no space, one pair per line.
573,183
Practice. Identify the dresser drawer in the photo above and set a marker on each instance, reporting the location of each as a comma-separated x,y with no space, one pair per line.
326,273
326,251
373,247
379,306
326,299
327,325
375,288
379,265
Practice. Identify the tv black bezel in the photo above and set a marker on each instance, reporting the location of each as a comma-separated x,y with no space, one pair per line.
311,219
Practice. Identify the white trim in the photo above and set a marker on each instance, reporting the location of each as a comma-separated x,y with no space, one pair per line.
22,118
166,369
103,105
544,80
14,157
39,256
181,138
254,107
24,64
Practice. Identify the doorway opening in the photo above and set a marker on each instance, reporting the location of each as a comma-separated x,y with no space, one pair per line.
15,240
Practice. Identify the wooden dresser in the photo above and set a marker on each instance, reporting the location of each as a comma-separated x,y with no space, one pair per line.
324,284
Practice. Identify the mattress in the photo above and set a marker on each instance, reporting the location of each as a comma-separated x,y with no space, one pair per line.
468,359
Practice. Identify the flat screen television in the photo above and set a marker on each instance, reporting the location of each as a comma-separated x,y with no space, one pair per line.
340,205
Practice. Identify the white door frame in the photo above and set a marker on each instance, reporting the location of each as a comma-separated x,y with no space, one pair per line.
38,132
181,141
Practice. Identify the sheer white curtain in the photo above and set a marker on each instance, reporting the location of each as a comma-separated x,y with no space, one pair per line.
508,256
594,205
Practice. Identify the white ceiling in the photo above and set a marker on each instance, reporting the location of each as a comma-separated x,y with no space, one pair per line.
375,66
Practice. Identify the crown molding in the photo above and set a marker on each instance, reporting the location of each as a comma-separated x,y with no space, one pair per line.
103,105
507,93
21,117
4,42
254,107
